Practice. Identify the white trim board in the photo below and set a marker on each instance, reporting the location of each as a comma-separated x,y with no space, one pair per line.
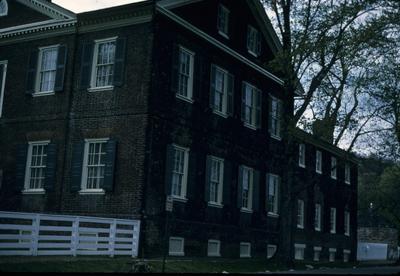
47,8
217,43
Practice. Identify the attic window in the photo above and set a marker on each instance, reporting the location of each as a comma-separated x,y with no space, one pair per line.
3,8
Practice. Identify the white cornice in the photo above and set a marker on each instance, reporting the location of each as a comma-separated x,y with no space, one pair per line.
171,4
48,8
217,43
36,27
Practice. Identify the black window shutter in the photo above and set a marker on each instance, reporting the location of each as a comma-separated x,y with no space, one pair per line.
119,69
192,176
208,178
269,114
61,62
22,152
169,164
111,147
51,167
1,75
278,193
267,183
212,85
231,89
258,45
280,115
243,101
86,64
175,68
240,187
31,73
256,190
76,167
226,200
258,107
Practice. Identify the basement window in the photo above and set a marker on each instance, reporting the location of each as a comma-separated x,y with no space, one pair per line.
245,250
214,248
176,246
299,251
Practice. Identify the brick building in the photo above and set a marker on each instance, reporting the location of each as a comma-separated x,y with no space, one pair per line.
111,112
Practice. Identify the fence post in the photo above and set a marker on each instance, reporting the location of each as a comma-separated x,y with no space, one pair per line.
135,238
113,231
75,236
35,234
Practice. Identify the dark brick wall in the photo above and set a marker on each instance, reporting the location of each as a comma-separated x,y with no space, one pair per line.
120,114
26,118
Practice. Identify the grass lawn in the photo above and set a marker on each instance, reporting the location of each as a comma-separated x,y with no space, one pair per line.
124,265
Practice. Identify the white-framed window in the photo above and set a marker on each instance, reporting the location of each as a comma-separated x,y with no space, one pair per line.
94,162
3,73
347,223
213,248
219,90
185,74
318,161
35,173
251,106
3,8
216,180
246,183
317,217
275,118
302,155
223,21
47,70
346,255
271,250
317,253
333,167
273,194
299,251
176,246
253,41
347,173
103,63
332,254
300,214
245,250
180,172
333,220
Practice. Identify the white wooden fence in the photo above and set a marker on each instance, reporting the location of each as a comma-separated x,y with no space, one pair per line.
40,234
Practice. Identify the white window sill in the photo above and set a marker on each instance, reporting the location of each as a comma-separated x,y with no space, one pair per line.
34,192
334,178
41,94
347,234
317,229
224,115
250,126
318,172
215,204
176,253
333,232
186,99
302,166
252,53
98,89
278,138
180,199
300,226
92,192
347,183
214,255
223,34
245,210
273,215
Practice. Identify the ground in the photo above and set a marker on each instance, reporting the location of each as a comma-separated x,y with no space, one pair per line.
201,265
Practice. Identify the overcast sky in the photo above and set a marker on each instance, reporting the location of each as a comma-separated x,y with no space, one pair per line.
78,6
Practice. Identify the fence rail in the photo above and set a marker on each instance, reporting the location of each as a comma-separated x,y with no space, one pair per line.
32,234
